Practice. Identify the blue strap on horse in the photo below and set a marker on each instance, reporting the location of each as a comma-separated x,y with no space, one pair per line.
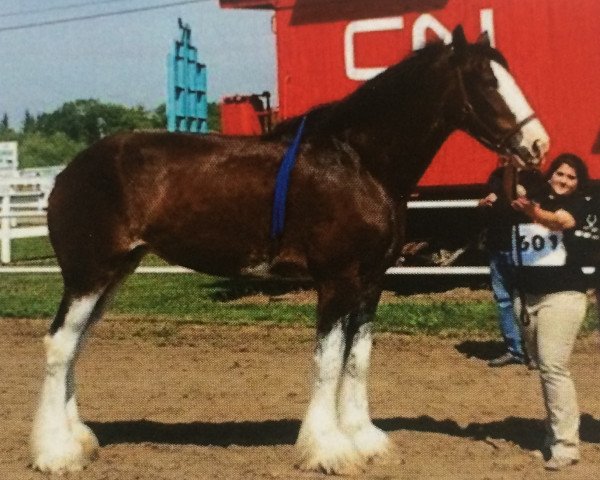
282,183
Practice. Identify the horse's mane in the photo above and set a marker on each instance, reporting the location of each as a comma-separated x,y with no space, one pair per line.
404,76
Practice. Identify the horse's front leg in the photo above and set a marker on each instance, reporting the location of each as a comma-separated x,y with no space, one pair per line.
355,420
322,445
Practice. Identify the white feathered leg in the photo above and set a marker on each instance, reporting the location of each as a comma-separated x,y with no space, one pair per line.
82,433
55,444
321,444
355,420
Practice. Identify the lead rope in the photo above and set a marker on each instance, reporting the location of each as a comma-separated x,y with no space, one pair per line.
514,182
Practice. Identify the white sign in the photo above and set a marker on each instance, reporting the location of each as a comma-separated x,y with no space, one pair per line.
419,29
535,245
9,157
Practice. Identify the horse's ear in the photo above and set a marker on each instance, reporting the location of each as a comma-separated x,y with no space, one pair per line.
459,45
459,41
484,39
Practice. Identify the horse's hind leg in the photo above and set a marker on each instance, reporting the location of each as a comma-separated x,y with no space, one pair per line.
60,442
81,432
55,447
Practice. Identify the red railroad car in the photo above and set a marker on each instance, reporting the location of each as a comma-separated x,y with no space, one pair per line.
326,48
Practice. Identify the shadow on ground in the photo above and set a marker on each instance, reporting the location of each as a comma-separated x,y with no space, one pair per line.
481,349
226,290
526,432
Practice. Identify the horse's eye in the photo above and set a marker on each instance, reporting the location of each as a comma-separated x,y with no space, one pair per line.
490,82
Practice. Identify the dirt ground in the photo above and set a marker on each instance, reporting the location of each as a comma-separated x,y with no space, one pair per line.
199,402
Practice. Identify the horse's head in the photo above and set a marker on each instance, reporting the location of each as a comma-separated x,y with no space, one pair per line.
490,105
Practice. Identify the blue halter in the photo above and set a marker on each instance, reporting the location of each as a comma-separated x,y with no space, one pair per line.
282,183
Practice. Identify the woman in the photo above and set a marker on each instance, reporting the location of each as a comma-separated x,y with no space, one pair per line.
552,288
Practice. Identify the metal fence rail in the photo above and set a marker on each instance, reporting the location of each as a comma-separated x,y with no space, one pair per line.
390,271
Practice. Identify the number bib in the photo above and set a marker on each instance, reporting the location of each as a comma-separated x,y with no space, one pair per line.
539,246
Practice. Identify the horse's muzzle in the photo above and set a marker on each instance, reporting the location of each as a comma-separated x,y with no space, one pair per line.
531,145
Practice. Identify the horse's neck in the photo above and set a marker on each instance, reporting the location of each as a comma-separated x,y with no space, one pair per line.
398,151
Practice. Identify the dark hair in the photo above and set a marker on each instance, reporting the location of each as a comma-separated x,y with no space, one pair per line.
576,163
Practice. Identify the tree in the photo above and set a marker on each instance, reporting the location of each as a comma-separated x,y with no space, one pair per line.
39,150
55,138
29,123
160,116
7,134
89,120
214,117
4,125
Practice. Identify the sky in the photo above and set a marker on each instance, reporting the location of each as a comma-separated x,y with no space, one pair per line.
122,58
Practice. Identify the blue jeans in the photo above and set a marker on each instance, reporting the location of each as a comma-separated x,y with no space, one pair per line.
502,277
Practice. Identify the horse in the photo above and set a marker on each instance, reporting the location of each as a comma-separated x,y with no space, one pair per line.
204,202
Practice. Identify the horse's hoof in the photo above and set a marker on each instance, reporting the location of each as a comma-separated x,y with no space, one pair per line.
67,460
333,454
331,466
371,443
88,441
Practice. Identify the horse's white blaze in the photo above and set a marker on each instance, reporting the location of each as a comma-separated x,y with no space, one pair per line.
510,91
55,446
353,401
534,134
321,443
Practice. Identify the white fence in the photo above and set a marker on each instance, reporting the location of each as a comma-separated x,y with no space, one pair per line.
18,224
23,203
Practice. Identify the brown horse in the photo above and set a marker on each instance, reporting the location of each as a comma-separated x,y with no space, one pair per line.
205,202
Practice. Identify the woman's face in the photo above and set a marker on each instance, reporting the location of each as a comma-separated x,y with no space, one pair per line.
564,180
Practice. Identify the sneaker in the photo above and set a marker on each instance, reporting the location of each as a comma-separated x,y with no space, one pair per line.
558,463
506,359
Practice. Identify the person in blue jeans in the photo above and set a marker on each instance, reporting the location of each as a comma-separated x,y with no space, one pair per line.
500,218
502,279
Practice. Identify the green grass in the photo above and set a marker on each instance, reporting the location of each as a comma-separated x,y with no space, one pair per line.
185,297
32,251
436,317
196,298
203,299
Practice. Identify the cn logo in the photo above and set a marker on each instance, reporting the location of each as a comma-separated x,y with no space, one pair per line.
422,24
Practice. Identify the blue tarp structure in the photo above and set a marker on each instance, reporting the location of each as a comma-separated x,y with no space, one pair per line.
187,106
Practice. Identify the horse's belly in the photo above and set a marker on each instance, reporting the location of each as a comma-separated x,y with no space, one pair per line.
230,257
226,267
214,259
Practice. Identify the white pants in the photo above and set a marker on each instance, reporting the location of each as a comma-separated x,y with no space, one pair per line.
555,320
